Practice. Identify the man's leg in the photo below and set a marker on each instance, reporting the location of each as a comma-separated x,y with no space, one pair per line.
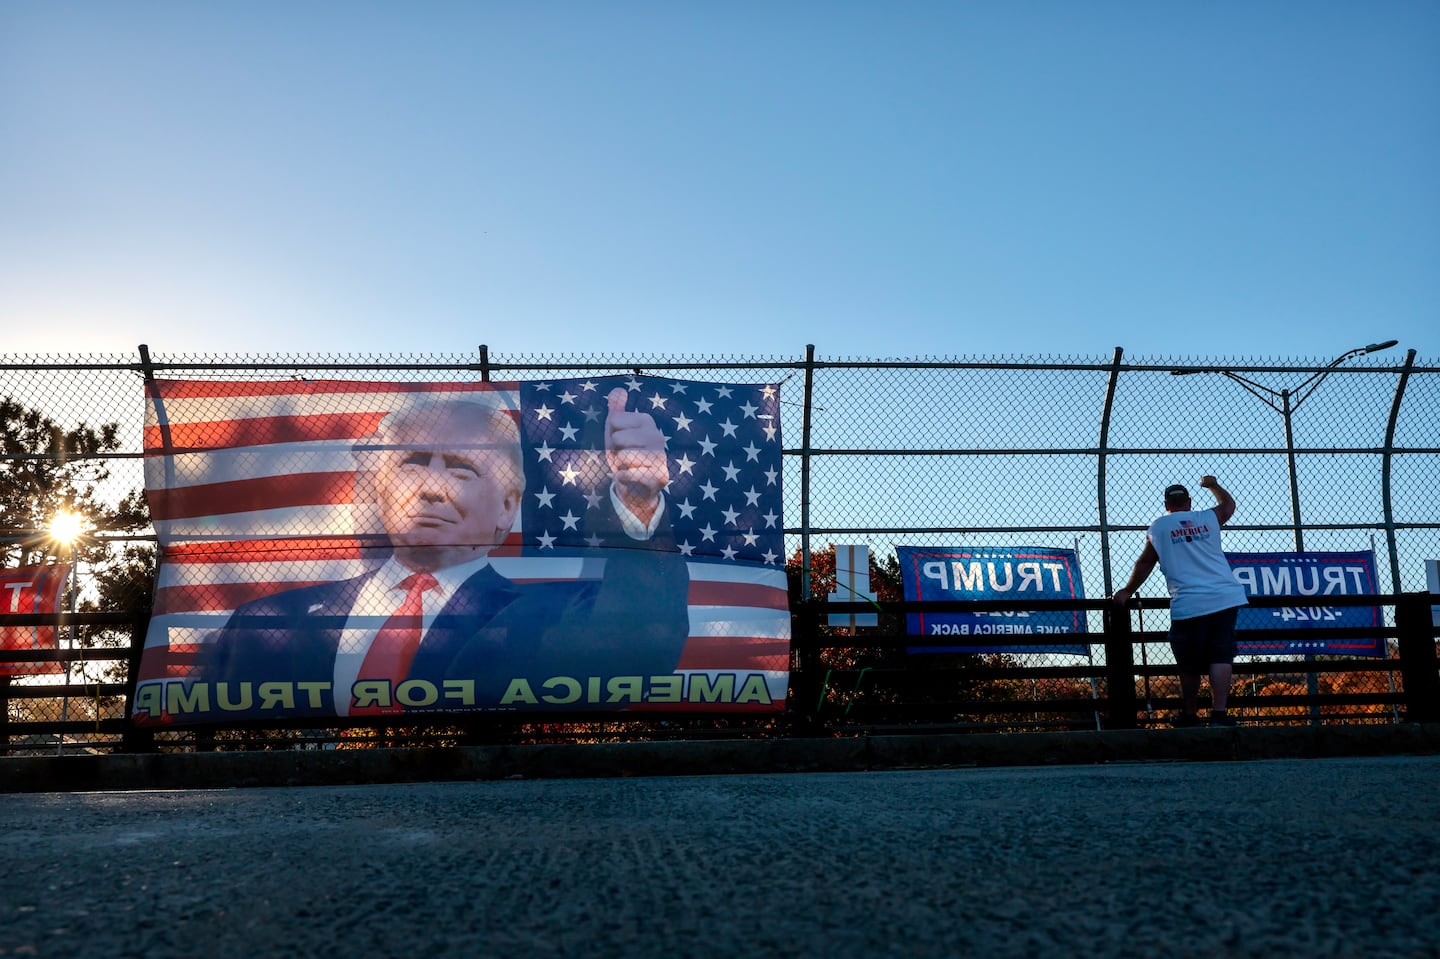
1220,643
1190,692
1220,675
1187,642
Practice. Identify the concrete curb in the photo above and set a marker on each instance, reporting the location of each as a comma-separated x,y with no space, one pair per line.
221,770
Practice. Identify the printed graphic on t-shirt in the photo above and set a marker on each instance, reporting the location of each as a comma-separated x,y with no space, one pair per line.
1189,531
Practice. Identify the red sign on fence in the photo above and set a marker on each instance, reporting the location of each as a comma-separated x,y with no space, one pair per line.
30,589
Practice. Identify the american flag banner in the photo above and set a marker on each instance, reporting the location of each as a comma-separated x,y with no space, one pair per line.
333,548
30,589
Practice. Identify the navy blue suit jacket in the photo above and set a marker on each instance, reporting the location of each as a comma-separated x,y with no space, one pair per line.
633,621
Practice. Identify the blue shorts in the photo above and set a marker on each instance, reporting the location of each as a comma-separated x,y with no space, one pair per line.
1201,641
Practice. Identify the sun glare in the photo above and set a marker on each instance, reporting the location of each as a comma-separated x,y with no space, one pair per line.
66,527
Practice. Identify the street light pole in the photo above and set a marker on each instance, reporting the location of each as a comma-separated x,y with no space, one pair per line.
1289,402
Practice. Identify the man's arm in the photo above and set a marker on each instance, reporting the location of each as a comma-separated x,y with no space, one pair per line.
1224,502
1144,566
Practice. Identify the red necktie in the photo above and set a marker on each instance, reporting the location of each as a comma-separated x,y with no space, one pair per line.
394,646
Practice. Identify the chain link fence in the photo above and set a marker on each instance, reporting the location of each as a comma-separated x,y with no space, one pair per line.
1321,454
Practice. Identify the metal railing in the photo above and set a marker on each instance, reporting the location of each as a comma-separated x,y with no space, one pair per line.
856,684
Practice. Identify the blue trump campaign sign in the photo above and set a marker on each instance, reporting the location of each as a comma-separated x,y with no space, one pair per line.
1313,575
1003,572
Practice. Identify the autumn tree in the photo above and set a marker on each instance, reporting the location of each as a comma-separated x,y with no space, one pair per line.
46,470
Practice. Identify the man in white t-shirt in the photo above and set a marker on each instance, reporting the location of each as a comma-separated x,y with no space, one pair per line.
1204,595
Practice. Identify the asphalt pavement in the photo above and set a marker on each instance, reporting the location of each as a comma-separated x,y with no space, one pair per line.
1273,858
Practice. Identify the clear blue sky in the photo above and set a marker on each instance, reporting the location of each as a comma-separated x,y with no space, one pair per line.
1247,179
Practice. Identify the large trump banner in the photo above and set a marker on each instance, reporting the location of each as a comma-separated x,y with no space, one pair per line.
30,589
333,548
1312,576
985,573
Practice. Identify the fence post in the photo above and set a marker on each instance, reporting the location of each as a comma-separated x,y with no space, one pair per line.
805,474
1419,667
804,622
1385,473
4,714
132,739
1121,704
805,683
1101,461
